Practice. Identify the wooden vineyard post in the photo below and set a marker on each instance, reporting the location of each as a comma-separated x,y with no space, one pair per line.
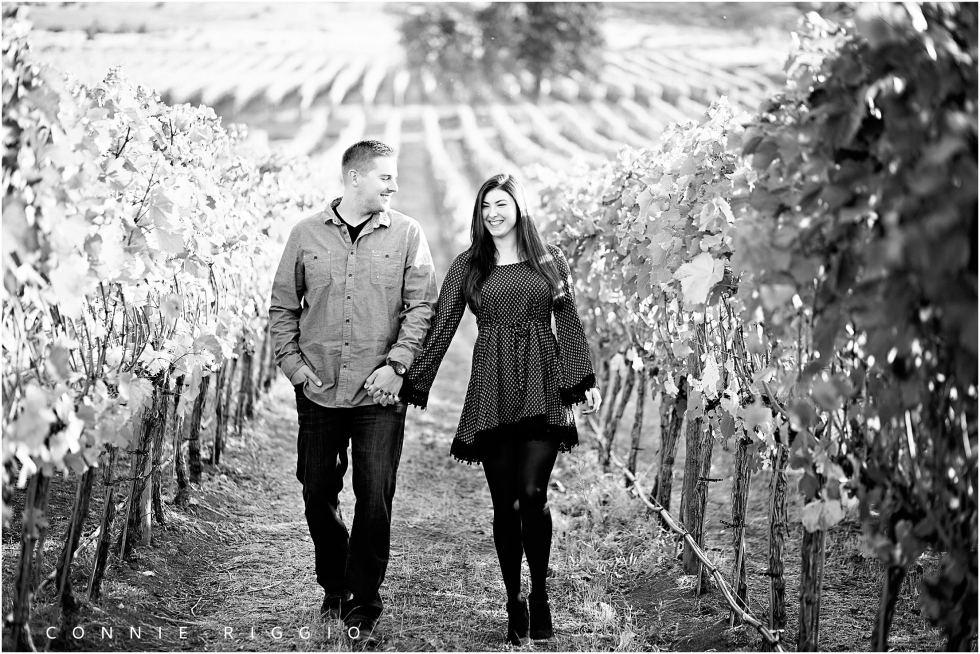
180,471
83,496
42,531
24,583
891,586
262,360
692,470
672,419
156,456
219,410
138,511
156,446
616,379
269,370
194,430
168,421
700,499
69,607
253,388
637,431
180,468
777,541
105,528
740,499
811,585
222,406
813,558
697,466
612,422
244,389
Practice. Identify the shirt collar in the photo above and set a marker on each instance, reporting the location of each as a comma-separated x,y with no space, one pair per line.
379,218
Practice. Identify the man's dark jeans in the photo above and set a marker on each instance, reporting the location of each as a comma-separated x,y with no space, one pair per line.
356,563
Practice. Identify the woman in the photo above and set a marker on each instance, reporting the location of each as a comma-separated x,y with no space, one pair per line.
517,414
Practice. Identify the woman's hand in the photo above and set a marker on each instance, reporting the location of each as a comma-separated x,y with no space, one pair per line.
383,385
593,400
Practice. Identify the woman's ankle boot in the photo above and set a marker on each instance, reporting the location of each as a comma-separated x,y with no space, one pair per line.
517,621
540,617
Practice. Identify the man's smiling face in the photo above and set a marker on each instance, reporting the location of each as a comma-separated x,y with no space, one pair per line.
376,184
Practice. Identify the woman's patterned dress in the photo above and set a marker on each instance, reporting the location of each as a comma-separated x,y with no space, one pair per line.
520,373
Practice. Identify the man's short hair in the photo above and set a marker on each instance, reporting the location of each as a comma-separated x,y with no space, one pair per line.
362,154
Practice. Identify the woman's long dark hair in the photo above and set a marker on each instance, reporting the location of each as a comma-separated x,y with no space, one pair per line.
483,251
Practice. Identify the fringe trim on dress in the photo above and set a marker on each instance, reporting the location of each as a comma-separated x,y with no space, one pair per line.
534,428
414,396
576,394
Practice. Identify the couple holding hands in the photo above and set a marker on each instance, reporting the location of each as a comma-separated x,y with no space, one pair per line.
360,332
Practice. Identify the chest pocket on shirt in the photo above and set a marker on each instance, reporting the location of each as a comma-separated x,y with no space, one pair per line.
386,268
317,269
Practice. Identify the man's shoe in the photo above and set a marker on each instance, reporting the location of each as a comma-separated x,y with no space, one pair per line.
540,618
360,629
330,609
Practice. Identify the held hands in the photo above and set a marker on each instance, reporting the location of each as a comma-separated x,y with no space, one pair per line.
303,375
383,385
593,400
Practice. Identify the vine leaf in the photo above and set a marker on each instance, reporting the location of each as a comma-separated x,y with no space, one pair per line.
136,392
822,514
70,284
698,276
35,419
755,415
711,376
170,242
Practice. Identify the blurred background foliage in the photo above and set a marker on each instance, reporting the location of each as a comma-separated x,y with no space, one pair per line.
455,40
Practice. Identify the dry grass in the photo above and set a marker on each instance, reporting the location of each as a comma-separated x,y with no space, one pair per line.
663,597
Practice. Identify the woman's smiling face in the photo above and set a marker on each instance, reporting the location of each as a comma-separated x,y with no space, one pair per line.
499,213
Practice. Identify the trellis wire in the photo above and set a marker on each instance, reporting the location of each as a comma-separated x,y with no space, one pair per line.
746,617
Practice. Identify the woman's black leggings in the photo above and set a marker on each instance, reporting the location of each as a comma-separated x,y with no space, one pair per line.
518,472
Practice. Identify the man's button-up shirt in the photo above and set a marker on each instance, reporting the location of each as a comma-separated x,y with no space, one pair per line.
343,308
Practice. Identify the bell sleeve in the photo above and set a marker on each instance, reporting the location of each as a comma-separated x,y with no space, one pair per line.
448,313
574,360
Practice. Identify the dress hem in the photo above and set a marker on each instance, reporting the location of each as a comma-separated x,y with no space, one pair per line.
566,435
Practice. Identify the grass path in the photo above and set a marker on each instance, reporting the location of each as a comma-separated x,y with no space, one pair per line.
441,561
443,589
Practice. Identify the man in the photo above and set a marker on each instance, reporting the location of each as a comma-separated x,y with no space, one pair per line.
351,304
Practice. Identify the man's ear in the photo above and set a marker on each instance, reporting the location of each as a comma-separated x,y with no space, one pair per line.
352,176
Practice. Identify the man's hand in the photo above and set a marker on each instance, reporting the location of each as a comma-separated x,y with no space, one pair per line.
383,385
302,375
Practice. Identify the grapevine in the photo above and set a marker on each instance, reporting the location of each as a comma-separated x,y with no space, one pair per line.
137,258
786,265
